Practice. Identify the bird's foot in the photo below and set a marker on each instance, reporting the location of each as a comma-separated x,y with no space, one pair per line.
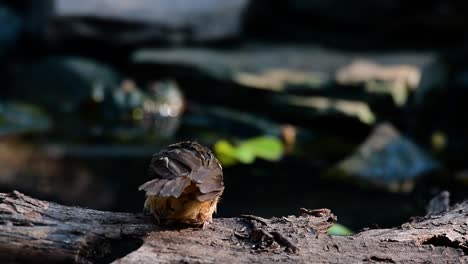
157,218
207,222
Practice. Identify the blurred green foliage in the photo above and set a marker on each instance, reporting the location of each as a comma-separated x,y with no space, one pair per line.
265,147
339,230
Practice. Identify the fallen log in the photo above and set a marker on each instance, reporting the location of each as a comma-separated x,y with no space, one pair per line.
35,231
38,231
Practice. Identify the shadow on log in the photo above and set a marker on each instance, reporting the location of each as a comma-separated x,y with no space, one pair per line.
37,231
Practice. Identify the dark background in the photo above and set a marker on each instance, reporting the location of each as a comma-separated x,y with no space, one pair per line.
53,52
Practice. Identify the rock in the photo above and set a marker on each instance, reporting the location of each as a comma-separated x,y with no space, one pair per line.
266,67
148,115
396,80
316,106
162,108
277,80
386,159
254,73
167,21
60,84
127,101
289,68
18,118
72,90
86,98
128,95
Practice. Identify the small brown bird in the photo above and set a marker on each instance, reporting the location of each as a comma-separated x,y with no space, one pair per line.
187,186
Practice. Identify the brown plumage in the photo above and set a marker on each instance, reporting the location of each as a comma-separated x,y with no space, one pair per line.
187,186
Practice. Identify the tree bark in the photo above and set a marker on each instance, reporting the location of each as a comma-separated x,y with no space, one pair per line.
37,231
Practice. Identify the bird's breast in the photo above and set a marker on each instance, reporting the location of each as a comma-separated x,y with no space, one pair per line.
184,209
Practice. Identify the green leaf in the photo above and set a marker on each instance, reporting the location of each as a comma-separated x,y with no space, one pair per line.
339,230
245,154
267,147
225,152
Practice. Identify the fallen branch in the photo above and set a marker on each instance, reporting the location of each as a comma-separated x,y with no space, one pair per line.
33,230
36,231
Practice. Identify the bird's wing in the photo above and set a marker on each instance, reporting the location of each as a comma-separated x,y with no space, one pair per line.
207,174
209,182
153,187
181,164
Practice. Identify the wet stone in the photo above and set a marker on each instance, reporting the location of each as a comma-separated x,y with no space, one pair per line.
386,159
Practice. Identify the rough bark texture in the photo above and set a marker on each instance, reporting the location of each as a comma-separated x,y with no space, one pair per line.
33,230
37,231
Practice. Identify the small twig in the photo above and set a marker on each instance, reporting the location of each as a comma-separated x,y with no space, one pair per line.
259,219
282,240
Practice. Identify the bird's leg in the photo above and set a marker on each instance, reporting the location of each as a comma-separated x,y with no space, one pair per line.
207,222
158,220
